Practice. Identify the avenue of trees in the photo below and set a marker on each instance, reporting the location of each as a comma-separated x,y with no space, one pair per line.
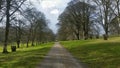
20,22
84,19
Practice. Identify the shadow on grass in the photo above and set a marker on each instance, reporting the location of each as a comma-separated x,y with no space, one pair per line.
23,59
97,55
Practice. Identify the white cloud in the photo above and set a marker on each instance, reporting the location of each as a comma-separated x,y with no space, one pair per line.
52,9
47,4
55,11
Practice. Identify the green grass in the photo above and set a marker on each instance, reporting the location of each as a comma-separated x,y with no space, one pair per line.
24,57
96,53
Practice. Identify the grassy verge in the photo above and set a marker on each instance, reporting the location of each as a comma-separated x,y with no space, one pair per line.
24,57
96,53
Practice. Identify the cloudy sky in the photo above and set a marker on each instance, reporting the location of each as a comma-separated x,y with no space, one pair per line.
52,9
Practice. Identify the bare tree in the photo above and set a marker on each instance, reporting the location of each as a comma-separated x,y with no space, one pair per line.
77,19
9,5
105,15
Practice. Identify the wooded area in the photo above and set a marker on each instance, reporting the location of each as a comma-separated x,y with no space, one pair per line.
22,23
84,19
88,30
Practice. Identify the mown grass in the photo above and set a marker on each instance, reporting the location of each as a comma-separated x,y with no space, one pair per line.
24,57
96,53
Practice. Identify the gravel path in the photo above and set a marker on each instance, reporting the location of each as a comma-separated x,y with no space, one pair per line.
59,57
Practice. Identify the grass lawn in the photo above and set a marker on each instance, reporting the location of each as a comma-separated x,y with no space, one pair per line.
96,53
24,57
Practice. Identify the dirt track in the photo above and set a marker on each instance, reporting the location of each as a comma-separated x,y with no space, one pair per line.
58,57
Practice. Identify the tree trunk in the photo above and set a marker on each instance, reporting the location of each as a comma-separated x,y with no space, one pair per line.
32,43
85,36
85,33
0,3
106,31
106,34
78,37
5,48
19,36
27,45
29,36
106,21
18,44
33,36
7,26
97,36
